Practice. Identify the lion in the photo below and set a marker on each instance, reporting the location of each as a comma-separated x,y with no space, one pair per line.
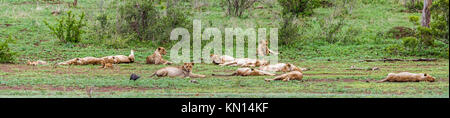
408,77
75,61
283,67
180,71
108,62
156,57
216,59
247,72
90,60
263,48
246,62
122,58
293,75
35,63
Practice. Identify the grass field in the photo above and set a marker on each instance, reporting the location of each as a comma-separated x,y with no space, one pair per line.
328,77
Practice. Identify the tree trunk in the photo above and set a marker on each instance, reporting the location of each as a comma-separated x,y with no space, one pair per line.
75,2
426,13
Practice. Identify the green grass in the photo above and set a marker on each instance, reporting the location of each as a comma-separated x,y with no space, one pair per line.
326,79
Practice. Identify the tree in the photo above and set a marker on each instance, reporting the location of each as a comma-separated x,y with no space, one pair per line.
426,13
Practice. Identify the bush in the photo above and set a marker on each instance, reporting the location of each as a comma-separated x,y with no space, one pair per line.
440,15
414,19
6,54
394,49
410,42
400,32
68,29
141,19
299,7
137,16
414,5
425,35
289,30
237,7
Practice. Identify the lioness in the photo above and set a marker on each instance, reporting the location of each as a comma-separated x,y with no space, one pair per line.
156,57
108,62
246,62
35,63
293,75
408,77
90,60
263,48
280,67
247,72
216,59
122,58
180,71
75,61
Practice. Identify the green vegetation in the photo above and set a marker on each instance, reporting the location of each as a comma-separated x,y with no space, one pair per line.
329,37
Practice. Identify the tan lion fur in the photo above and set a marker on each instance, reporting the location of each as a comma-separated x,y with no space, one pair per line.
246,62
293,75
263,48
180,71
283,67
408,77
247,72
35,63
216,59
156,57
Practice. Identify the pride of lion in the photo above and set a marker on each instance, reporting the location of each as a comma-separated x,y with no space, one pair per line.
249,67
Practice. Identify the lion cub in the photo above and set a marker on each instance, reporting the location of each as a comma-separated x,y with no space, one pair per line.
294,75
216,59
263,48
283,67
108,62
122,58
408,77
180,71
156,57
35,63
247,72
246,62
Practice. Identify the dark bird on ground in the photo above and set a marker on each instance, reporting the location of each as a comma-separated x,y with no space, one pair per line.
134,77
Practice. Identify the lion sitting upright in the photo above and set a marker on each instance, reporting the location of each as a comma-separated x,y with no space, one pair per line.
293,75
247,72
180,71
263,48
156,57
408,77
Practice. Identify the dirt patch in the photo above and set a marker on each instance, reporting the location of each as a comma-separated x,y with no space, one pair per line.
332,80
62,88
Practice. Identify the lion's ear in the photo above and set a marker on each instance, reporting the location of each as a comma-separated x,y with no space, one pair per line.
192,63
425,74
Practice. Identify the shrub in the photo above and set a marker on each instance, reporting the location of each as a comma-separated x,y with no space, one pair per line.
289,30
237,7
6,54
425,35
394,49
400,32
68,29
414,5
410,42
414,19
299,7
137,16
440,15
141,19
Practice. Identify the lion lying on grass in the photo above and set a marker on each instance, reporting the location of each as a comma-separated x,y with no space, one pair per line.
156,57
408,77
247,72
35,63
294,75
246,62
122,58
216,59
283,67
108,62
180,71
